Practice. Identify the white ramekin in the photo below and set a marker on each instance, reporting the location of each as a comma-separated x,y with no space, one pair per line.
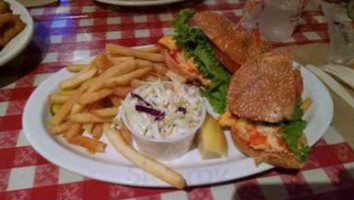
167,148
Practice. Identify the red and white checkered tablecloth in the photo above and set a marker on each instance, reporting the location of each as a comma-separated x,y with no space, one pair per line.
75,30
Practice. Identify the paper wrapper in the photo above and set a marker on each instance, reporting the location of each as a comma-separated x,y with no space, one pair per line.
317,55
34,3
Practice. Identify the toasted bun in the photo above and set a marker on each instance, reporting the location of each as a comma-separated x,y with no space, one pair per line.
285,160
228,63
263,89
239,45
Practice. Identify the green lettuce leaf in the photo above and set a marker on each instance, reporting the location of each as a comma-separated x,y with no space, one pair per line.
292,132
196,46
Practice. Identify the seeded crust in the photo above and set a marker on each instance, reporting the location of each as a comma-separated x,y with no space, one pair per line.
238,44
264,89
228,63
284,159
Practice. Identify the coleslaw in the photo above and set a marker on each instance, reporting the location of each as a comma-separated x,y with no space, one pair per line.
161,110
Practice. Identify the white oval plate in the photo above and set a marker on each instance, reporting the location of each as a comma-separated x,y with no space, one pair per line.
138,2
21,40
112,167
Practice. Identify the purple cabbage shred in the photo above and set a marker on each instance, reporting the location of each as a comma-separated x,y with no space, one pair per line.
182,110
156,113
134,95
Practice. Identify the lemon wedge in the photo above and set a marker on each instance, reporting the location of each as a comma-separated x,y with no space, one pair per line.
211,140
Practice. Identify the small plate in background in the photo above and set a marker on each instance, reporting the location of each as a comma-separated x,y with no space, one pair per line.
22,39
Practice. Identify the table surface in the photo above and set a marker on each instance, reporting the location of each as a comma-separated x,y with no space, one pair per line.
74,30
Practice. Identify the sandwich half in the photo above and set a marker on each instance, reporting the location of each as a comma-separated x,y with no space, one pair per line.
264,111
209,53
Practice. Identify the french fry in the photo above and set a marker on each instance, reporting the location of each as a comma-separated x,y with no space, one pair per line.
126,78
67,92
126,51
135,83
116,101
151,78
74,130
59,129
146,163
66,108
106,127
95,96
175,76
95,105
88,127
122,91
87,118
58,98
160,77
102,61
306,104
152,49
144,63
76,108
127,136
106,112
92,146
122,58
160,68
117,70
78,79
119,60
97,131
76,67
86,85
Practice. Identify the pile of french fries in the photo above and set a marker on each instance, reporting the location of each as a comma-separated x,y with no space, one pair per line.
90,99
86,104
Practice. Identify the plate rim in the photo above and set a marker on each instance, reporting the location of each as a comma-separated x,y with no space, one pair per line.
27,38
138,3
29,127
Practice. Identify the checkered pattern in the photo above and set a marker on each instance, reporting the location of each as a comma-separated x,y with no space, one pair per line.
79,29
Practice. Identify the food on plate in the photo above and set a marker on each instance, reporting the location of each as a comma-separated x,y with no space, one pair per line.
306,104
59,129
204,54
161,110
211,140
76,67
232,45
92,145
4,7
154,96
146,163
163,117
78,79
106,112
91,97
124,132
10,24
125,51
264,111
